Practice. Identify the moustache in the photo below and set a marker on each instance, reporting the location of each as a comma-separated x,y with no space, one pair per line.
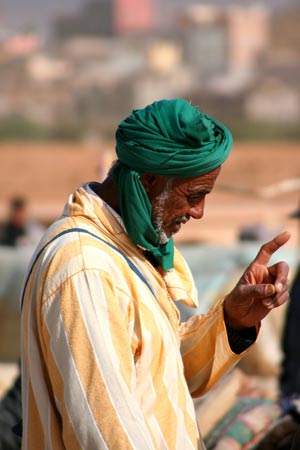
182,219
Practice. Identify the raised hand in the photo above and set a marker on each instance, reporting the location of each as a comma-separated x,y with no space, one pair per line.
260,289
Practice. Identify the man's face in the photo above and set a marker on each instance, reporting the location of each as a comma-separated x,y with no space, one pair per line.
175,201
18,216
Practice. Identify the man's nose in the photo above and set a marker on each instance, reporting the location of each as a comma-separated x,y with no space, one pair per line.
197,210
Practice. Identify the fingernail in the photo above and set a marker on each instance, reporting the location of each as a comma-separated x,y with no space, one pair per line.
269,290
278,287
268,303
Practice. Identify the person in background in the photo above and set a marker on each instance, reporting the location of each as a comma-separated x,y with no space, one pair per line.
290,369
18,230
106,362
13,231
296,441
11,416
289,381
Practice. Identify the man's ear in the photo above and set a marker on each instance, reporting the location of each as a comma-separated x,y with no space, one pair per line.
149,181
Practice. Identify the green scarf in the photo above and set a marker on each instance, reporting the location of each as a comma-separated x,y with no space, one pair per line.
171,138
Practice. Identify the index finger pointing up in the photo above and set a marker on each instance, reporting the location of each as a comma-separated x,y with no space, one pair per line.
267,249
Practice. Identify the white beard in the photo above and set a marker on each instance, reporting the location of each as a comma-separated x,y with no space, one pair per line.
157,214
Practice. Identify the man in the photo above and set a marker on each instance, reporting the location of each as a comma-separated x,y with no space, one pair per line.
289,381
106,362
17,230
14,229
10,416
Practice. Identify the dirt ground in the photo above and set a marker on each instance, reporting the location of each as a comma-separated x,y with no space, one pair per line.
47,173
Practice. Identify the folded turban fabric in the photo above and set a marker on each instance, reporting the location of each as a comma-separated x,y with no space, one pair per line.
171,138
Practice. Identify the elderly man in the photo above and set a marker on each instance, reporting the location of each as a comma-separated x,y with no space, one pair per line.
106,363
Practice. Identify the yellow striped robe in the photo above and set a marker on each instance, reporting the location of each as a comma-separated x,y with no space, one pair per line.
105,362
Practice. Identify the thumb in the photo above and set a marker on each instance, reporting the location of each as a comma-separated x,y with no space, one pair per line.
258,290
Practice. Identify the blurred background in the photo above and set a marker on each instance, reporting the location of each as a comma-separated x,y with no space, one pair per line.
70,71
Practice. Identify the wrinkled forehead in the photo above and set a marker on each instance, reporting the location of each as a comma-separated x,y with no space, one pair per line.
207,179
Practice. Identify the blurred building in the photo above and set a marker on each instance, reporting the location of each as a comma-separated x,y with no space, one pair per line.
220,40
95,18
273,102
108,18
114,55
20,44
205,33
130,16
248,36
285,30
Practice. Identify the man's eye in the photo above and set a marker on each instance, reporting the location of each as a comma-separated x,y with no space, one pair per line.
195,198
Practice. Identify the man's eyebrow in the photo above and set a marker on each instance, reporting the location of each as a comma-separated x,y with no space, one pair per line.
200,192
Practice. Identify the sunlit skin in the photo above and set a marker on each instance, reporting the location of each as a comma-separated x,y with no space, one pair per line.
261,287
186,197
18,217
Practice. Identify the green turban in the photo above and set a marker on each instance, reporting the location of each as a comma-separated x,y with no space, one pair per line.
171,138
